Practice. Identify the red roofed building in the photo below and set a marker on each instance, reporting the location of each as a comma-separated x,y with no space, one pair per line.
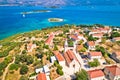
94,55
113,72
116,39
49,40
41,76
73,37
91,45
59,57
96,75
30,47
98,35
70,58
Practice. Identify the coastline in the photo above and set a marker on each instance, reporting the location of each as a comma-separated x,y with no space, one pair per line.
47,28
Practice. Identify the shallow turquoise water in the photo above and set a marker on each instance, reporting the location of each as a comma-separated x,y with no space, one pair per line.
12,22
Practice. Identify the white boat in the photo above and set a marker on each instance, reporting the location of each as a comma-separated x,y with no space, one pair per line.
23,15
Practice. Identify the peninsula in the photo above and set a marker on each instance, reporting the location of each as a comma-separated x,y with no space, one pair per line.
35,11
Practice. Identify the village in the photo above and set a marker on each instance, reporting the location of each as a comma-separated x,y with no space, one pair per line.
67,52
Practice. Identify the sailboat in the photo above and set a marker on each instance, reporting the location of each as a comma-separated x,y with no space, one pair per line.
23,15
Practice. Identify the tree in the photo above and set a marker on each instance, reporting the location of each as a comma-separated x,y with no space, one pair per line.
90,38
29,59
55,47
82,75
115,34
23,70
24,51
95,63
14,67
59,71
23,78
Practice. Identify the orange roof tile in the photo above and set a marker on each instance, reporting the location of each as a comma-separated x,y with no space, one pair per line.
74,37
98,34
91,43
69,56
41,76
48,41
95,73
117,38
117,53
95,53
58,56
79,47
115,70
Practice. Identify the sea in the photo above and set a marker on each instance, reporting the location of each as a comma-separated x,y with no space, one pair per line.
13,22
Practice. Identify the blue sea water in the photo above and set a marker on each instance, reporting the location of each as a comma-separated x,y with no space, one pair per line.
12,22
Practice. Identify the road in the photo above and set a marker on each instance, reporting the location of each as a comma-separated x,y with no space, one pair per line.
7,68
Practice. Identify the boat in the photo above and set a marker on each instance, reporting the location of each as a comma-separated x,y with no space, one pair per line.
23,15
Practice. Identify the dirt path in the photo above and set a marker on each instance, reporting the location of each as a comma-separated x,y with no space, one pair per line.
7,68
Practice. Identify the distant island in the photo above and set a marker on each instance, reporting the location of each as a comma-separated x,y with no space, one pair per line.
55,20
35,11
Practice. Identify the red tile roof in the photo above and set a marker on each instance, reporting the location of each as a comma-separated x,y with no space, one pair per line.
48,41
117,38
41,76
74,37
95,53
58,56
115,70
91,43
69,56
117,53
98,34
95,73
29,46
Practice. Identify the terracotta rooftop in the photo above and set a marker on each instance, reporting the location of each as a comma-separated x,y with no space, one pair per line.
79,47
50,38
98,34
95,53
117,38
58,56
115,70
95,73
74,37
41,76
69,56
91,43
117,53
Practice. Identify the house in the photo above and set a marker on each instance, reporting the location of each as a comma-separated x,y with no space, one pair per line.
41,76
96,75
30,47
49,41
113,72
97,35
95,55
105,29
59,57
91,45
70,58
116,39
79,47
53,59
38,70
116,56
46,70
74,37
94,31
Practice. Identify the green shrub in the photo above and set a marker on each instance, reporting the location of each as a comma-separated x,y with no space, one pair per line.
14,67
23,70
